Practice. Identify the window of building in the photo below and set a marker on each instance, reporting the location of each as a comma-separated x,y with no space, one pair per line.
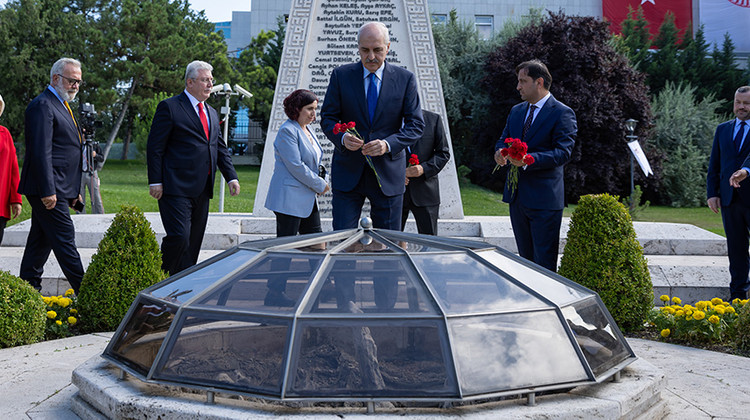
225,27
438,19
485,25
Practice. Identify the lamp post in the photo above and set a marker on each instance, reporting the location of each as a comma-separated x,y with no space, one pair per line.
226,91
630,125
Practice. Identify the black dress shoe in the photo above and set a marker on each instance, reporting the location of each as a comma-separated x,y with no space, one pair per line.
275,298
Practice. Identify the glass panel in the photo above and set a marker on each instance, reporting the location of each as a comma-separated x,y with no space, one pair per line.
184,288
464,285
552,289
504,352
371,284
143,334
358,358
414,243
273,283
245,354
601,341
367,244
323,246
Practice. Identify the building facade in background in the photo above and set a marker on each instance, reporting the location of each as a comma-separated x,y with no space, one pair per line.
717,16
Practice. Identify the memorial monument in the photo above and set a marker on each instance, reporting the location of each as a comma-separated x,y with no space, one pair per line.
322,35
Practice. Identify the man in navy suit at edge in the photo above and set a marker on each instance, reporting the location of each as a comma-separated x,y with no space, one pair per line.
184,149
51,176
382,100
549,128
728,166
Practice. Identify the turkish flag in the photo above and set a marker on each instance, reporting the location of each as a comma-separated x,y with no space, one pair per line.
615,11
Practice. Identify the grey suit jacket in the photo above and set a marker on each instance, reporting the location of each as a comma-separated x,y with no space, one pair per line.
295,181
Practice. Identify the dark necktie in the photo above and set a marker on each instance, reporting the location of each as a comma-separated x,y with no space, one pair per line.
372,96
738,137
529,119
204,120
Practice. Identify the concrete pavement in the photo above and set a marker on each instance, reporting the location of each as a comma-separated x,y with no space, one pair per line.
36,379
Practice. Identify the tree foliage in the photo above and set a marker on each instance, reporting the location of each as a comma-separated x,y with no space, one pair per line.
130,50
712,71
663,64
33,35
636,38
257,68
591,77
683,128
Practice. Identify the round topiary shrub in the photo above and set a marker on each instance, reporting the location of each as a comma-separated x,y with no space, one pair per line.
742,330
602,253
127,261
22,312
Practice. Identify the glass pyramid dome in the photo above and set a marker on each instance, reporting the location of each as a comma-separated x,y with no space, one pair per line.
369,315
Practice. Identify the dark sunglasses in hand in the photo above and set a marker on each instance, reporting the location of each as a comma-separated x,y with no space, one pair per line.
322,171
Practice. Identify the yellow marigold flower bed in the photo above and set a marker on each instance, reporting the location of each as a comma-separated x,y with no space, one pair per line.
60,315
705,321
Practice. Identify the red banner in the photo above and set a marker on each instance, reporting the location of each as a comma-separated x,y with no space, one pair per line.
615,11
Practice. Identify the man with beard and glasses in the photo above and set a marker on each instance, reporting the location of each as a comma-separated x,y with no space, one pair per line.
51,176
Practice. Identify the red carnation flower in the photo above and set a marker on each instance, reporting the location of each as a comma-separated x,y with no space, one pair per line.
528,159
413,160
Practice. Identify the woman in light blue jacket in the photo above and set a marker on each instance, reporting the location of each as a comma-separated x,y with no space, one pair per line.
296,181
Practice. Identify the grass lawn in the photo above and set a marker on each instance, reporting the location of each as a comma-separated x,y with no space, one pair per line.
125,182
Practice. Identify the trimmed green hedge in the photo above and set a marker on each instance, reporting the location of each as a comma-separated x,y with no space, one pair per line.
22,312
127,261
602,253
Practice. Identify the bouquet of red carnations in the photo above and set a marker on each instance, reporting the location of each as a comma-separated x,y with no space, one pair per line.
349,128
516,150
413,160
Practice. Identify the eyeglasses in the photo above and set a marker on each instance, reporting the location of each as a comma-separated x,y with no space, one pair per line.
71,82
205,80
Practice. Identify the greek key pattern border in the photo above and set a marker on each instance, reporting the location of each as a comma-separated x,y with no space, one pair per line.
290,71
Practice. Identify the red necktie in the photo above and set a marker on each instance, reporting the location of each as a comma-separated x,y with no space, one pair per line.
204,121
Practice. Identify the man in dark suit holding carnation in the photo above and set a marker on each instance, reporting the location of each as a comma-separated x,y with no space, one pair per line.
549,129
422,196
382,100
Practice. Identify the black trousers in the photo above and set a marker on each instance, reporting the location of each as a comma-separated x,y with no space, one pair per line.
426,216
184,220
287,225
736,220
51,230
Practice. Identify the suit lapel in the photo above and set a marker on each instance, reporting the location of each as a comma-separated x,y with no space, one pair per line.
213,118
192,114
544,113
64,114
